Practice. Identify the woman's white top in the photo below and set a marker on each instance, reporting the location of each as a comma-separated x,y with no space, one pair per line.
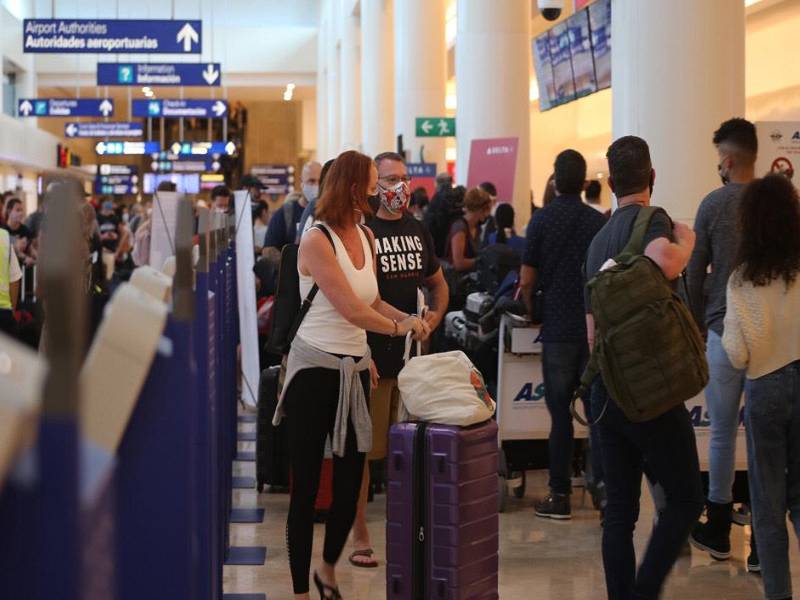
762,325
324,328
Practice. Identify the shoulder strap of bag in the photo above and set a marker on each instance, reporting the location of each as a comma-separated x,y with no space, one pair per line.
635,245
288,218
369,243
306,306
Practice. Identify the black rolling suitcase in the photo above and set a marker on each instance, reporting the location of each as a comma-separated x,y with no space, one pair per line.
272,444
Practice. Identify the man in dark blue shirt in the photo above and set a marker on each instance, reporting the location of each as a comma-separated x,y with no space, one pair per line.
557,240
284,223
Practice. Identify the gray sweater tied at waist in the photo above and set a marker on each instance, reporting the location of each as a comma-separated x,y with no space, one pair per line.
352,401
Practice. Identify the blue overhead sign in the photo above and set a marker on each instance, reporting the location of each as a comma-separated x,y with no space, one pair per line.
65,107
152,74
204,109
98,36
126,148
421,170
103,129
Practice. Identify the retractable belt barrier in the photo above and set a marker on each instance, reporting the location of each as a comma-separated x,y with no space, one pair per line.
143,511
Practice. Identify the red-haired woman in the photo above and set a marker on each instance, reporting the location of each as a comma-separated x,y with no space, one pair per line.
328,370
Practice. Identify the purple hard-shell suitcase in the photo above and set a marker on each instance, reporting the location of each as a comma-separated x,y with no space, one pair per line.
442,523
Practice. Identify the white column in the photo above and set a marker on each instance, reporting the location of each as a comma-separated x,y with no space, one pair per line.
350,83
677,69
377,76
322,91
334,145
420,73
493,51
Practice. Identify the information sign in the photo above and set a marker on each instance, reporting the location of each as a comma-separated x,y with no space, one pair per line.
65,107
155,74
203,109
103,129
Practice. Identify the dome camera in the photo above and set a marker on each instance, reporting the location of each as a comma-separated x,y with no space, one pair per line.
551,9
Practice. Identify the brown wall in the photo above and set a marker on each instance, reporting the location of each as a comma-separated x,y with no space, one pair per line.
274,135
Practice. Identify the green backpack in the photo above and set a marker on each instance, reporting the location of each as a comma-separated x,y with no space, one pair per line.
647,348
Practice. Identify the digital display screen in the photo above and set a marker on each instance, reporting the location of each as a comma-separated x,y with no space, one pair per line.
580,48
186,183
563,79
600,25
544,71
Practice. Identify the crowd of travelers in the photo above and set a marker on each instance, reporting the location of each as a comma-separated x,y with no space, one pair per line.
371,246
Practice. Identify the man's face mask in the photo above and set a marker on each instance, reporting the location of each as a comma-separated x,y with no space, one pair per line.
724,172
394,198
310,191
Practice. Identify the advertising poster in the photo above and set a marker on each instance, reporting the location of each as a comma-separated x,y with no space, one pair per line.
246,296
698,413
494,160
580,48
779,149
544,71
563,79
600,24
162,234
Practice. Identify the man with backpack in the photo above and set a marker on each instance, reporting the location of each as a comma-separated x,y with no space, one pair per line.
405,262
716,223
551,279
650,354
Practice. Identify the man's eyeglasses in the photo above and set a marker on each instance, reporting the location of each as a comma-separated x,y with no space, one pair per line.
395,179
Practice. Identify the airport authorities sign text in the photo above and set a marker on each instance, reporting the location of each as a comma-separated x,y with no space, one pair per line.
203,109
152,74
103,129
65,107
98,36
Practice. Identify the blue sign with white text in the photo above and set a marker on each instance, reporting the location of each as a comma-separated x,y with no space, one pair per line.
65,107
103,129
126,36
421,170
152,74
204,109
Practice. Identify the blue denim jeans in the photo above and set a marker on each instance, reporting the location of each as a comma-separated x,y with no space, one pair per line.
723,398
772,420
562,366
665,447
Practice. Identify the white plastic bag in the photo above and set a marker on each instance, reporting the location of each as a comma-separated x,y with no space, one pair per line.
443,388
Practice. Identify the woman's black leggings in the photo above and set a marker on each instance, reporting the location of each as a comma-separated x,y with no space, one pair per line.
311,403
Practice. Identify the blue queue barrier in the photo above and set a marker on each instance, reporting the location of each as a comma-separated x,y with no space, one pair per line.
155,506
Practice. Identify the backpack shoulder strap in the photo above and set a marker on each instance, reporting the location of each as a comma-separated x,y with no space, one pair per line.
635,244
324,229
288,218
369,243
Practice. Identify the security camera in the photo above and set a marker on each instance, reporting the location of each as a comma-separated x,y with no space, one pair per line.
551,9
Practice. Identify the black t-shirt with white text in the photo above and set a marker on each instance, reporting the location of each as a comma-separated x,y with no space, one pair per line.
109,224
405,255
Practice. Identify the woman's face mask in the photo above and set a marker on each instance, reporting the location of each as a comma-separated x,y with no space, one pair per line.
395,198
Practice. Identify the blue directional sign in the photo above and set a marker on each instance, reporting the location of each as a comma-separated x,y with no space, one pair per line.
153,74
116,179
65,107
180,149
421,170
204,109
103,129
112,36
126,148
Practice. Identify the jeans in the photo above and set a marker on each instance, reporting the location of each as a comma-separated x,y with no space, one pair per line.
666,447
772,421
723,398
562,366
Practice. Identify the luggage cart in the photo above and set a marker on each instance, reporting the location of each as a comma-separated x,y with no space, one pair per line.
522,417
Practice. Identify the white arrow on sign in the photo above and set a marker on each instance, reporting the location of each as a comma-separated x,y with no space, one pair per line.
210,74
187,35
176,148
218,108
106,107
71,130
100,148
426,126
25,108
230,148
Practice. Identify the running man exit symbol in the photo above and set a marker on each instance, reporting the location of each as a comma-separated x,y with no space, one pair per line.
435,126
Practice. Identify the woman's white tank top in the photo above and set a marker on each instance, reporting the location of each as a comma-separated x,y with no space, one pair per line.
324,327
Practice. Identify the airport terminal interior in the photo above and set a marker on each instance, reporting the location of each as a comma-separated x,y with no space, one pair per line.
567,367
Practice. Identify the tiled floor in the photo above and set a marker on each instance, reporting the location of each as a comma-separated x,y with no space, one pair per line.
539,559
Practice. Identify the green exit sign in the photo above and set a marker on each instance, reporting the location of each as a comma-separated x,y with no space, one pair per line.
436,126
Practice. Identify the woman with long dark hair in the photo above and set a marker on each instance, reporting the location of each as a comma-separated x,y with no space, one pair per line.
328,370
762,334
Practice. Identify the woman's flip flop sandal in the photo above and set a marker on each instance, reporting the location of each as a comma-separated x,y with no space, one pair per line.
366,553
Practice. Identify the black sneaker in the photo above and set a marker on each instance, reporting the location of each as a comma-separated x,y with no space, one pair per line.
714,536
753,564
554,506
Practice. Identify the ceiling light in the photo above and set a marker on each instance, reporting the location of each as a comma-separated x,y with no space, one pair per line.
290,86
